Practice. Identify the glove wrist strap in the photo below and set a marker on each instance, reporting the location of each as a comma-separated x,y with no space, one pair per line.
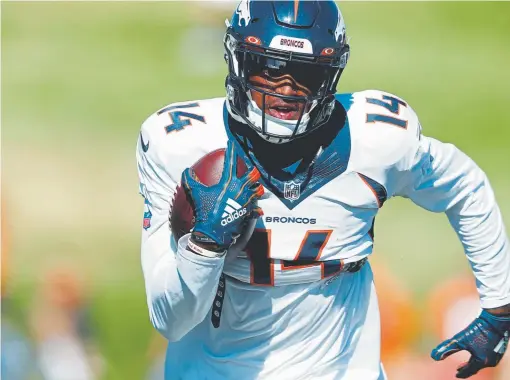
195,248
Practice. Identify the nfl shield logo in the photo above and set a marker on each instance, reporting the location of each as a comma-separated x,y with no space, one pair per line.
292,191
147,220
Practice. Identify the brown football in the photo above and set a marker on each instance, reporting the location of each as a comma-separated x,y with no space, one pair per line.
207,171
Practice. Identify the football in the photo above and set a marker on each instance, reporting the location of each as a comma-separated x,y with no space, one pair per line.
207,171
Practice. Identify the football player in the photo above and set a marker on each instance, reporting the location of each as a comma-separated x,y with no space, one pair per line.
298,302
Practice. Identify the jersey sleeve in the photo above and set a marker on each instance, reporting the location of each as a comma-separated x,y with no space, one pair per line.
440,178
180,285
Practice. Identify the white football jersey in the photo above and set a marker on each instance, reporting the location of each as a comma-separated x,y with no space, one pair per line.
327,218
318,220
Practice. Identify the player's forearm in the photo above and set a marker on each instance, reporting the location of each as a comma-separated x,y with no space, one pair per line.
180,290
478,222
447,180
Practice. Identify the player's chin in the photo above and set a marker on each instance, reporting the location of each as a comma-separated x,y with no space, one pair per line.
284,114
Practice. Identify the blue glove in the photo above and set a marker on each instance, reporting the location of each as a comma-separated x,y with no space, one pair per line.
222,210
486,338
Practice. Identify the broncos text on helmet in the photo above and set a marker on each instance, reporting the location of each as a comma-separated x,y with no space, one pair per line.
297,43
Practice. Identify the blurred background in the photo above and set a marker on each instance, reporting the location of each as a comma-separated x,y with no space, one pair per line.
79,78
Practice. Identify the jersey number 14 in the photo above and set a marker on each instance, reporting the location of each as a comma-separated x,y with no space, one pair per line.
263,266
391,104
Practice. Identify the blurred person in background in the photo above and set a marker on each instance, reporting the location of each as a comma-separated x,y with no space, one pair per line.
401,323
450,306
62,328
18,359
400,316
337,156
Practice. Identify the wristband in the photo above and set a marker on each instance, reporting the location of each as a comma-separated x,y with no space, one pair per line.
204,252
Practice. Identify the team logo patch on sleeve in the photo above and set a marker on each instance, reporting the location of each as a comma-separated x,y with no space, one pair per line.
147,215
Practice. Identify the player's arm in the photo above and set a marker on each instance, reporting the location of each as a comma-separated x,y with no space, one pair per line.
441,178
180,284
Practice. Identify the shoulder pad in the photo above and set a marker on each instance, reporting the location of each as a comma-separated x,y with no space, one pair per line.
177,135
383,126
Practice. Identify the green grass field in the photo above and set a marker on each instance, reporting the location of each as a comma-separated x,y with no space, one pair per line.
79,78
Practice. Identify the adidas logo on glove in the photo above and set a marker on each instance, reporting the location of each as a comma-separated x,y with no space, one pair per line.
233,211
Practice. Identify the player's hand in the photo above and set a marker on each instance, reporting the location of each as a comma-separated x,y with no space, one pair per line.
486,338
222,210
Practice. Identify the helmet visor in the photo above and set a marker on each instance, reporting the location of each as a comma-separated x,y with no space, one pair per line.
313,80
